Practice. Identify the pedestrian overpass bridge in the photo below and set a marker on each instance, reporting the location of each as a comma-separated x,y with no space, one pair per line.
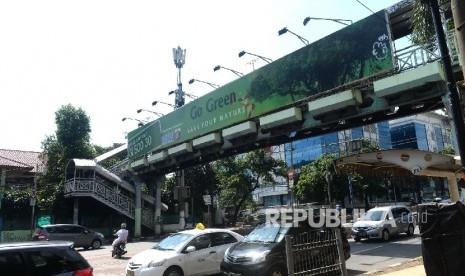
308,93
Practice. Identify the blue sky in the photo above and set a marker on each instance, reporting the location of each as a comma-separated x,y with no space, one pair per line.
112,58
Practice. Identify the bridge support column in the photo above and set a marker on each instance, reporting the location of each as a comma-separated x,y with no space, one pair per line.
158,184
76,210
138,209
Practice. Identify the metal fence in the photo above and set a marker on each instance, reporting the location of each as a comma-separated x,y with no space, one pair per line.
316,252
414,55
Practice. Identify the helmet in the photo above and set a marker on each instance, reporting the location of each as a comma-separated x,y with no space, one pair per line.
123,225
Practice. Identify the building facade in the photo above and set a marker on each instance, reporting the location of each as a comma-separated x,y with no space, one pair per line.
428,131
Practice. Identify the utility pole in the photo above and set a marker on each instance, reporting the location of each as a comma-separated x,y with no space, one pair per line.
458,14
453,93
179,57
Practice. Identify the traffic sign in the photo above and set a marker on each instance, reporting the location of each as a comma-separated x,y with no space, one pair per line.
207,199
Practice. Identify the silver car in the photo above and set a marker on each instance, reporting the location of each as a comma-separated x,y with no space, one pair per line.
384,222
81,236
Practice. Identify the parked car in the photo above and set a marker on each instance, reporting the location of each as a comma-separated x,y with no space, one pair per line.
81,236
42,258
263,251
384,222
189,252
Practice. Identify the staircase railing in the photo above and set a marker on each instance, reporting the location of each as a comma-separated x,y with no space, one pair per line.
107,195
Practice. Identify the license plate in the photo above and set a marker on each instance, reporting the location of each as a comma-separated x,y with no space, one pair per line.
129,273
362,234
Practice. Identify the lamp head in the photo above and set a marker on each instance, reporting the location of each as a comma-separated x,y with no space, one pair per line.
139,110
282,31
216,68
241,53
306,20
154,103
191,81
124,119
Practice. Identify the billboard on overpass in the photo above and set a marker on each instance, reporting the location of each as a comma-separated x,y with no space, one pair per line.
352,53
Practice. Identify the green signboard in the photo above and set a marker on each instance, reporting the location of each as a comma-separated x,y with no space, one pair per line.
355,52
43,220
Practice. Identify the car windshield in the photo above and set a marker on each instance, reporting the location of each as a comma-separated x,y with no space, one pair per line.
373,215
173,242
267,233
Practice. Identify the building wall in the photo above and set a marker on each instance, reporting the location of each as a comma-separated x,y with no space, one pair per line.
427,131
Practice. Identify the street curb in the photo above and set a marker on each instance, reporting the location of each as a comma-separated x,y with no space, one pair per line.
380,272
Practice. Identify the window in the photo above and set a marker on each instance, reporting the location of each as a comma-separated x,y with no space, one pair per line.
201,242
396,213
221,238
12,264
64,229
77,230
52,262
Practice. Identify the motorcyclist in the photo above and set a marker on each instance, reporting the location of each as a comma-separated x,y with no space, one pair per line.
122,236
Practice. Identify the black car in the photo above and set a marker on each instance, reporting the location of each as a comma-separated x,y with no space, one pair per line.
42,258
263,251
81,236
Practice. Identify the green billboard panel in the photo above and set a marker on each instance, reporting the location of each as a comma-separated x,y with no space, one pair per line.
355,52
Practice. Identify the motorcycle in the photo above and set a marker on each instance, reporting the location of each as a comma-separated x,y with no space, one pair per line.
119,250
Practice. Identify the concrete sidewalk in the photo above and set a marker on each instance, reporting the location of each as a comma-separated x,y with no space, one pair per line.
418,270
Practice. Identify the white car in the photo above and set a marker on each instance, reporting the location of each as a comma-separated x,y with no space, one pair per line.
189,252
384,222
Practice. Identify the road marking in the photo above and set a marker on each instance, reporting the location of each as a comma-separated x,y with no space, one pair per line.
377,247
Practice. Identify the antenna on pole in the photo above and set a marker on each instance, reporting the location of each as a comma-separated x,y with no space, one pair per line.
179,57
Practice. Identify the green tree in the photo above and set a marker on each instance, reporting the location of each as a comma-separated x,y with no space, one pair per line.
239,176
71,140
201,180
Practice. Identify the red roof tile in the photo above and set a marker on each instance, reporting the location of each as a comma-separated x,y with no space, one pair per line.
21,159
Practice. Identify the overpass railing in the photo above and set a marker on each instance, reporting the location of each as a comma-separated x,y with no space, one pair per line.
414,56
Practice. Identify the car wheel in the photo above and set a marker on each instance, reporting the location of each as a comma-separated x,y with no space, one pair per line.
96,244
385,236
173,271
410,230
277,271
357,239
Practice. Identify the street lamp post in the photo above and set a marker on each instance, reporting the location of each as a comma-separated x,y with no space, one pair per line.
267,60
337,20
206,82
155,102
153,112
218,67
141,122
286,30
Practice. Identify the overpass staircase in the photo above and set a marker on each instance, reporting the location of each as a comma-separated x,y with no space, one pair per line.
86,178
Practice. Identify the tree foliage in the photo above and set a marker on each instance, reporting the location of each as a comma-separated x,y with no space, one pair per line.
239,176
422,25
71,140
